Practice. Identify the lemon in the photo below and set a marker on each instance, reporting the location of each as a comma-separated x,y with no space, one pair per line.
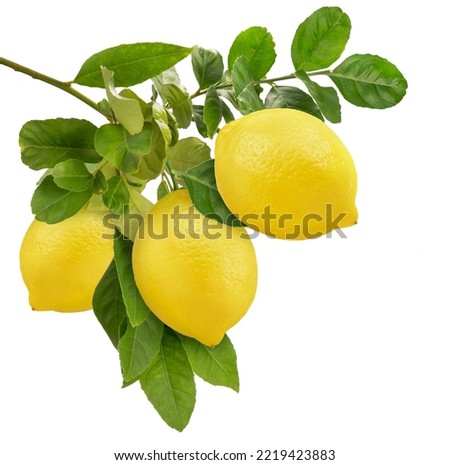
62,263
286,173
197,275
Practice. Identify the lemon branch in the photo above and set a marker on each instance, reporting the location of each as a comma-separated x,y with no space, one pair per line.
272,80
286,77
65,86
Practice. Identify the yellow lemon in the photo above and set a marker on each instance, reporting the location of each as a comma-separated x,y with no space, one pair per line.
286,173
197,275
62,263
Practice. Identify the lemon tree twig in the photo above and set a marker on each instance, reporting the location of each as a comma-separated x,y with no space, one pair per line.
286,77
65,86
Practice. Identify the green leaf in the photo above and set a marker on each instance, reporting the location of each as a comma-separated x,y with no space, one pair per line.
227,113
137,309
72,175
52,204
129,94
257,46
326,98
139,206
167,121
153,162
139,346
292,97
105,109
175,95
320,40
180,101
129,383
123,150
230,95
187,153
108,305
173,126
199,121
131,63
139,203
163,190
117,196
212,111
48,142
217,366
207,66
127,111
369,81
169,382
130,208
244,87
100,184
201,183
169,76
181,104
162,117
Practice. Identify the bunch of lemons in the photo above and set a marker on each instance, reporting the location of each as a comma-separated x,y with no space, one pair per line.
282,172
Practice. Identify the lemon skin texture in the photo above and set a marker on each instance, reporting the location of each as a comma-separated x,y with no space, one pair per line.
286,173
62,263
197,275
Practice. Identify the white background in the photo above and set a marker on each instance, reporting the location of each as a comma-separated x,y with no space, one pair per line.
346,346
